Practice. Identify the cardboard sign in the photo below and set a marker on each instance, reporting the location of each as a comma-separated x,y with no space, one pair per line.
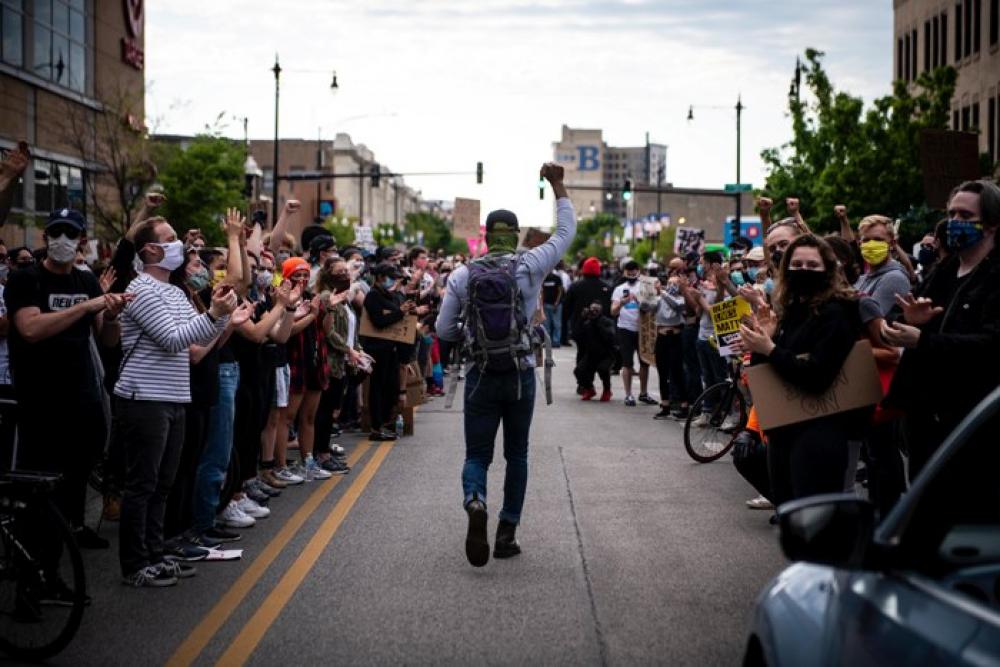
364,237
689,239
726,318
404,331
947,159
465,218
779,403
535,237
647,338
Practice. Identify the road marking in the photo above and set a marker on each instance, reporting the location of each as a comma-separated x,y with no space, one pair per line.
202,634
246,641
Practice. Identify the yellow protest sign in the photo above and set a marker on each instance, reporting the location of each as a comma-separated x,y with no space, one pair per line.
726,317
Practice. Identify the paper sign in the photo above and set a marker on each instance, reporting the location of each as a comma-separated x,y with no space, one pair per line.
224,554
689,239
779,403
404,331
647,338
364,237
465,218
726,318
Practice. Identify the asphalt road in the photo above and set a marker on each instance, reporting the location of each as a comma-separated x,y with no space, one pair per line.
633,554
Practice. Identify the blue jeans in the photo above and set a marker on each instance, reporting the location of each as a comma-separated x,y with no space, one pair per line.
218,447
553,323
713,366
490,399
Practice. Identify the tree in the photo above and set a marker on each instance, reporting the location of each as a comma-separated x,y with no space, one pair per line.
436,233
841,153
201,180
590,235
341,229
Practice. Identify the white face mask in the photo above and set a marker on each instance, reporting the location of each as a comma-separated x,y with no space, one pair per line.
173,255
62,249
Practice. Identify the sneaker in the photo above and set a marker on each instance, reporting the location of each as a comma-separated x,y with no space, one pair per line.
300,471
112,507
701,421
234,517
663,414
150,577
182,550
262,487
86,538
178,569
587,394
57,593
351,427
382,436
730,423
256,495
646,399
216,535
337,450
606,396
335,466
760,503
251,508
315,470
630,401
681,414
336,431
288,477
268,477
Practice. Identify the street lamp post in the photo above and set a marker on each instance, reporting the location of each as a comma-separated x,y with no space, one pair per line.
739,113
274,177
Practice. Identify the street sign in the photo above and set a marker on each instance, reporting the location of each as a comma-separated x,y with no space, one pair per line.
738,187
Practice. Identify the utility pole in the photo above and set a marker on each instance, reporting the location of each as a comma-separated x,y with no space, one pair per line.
274,179
739,195
361,190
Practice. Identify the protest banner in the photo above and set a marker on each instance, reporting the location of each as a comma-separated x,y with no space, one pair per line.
465,218
364,237
647,338
726,317
689,239
779,403
404,331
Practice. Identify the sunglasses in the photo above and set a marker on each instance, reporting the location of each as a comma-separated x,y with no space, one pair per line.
68,231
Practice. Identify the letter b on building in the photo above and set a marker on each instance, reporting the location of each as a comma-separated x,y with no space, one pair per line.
588,158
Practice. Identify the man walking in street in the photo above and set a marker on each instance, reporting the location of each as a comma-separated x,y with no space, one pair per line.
491,302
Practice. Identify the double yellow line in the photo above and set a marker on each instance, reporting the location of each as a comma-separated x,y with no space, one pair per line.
246,641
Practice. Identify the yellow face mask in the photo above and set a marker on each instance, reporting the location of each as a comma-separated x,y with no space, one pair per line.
875,252
218,277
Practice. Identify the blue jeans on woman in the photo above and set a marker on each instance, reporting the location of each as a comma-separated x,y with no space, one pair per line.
553,322
218,447
489,399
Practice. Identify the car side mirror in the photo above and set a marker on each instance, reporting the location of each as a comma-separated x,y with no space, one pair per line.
833,529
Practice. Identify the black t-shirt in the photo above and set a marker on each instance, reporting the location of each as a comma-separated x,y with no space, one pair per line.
551,287
61,366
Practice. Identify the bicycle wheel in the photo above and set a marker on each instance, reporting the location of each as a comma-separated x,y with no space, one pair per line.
42,583
715,419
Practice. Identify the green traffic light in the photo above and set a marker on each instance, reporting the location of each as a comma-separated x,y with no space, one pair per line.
626,195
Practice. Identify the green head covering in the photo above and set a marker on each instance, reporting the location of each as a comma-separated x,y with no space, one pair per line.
502,238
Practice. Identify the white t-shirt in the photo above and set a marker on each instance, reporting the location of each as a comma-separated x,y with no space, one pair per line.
352,325
628,316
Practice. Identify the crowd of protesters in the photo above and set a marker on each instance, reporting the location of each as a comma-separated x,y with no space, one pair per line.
205,381
202,382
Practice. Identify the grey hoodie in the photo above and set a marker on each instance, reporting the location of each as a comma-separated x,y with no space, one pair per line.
884,283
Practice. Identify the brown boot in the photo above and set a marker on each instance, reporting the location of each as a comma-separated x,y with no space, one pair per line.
112,507
268,477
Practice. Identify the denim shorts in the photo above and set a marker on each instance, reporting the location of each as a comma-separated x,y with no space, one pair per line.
282,384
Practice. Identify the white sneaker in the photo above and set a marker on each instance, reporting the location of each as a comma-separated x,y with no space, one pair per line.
729,423
287,476
701,421
314,470
234,517
760,503
249,506
337,449
300,471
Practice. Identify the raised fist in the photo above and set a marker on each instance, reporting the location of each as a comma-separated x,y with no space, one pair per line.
765,203
552,172
792,203
292,206
840,211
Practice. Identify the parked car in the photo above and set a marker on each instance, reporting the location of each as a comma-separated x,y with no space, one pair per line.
921,587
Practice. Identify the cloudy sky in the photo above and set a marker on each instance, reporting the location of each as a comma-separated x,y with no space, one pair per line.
437,85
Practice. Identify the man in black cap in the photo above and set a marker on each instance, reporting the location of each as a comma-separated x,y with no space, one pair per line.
321,248
55,310
493,396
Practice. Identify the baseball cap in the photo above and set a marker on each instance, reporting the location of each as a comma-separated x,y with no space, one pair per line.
503,217
756,254
67,216
385,269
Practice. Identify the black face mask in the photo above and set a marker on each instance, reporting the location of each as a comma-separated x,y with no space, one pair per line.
341,283
927,256
805,283
631,279
776,256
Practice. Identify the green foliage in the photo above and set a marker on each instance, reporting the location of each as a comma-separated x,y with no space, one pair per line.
201,181
868,160
590,233
341,229
437,235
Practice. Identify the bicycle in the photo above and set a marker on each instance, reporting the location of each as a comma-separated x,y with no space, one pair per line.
42,582
709,434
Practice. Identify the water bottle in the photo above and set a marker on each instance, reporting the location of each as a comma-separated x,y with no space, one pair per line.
400,425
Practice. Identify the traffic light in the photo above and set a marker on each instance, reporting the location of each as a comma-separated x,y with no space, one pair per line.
734,229
627,189
479,173
376,174
541,188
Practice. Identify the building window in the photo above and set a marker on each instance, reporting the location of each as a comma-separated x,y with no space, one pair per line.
967,33
977,24
966,118
936,40
60,38
58,186
944,38
991,130
12,32
954,119
913,53
994,22
958,32
927,45
975,117
267,181
906,59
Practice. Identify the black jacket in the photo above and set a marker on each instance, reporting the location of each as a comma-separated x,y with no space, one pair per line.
584,292
957,361
383,311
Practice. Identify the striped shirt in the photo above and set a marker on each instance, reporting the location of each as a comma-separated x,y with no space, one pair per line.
158,328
